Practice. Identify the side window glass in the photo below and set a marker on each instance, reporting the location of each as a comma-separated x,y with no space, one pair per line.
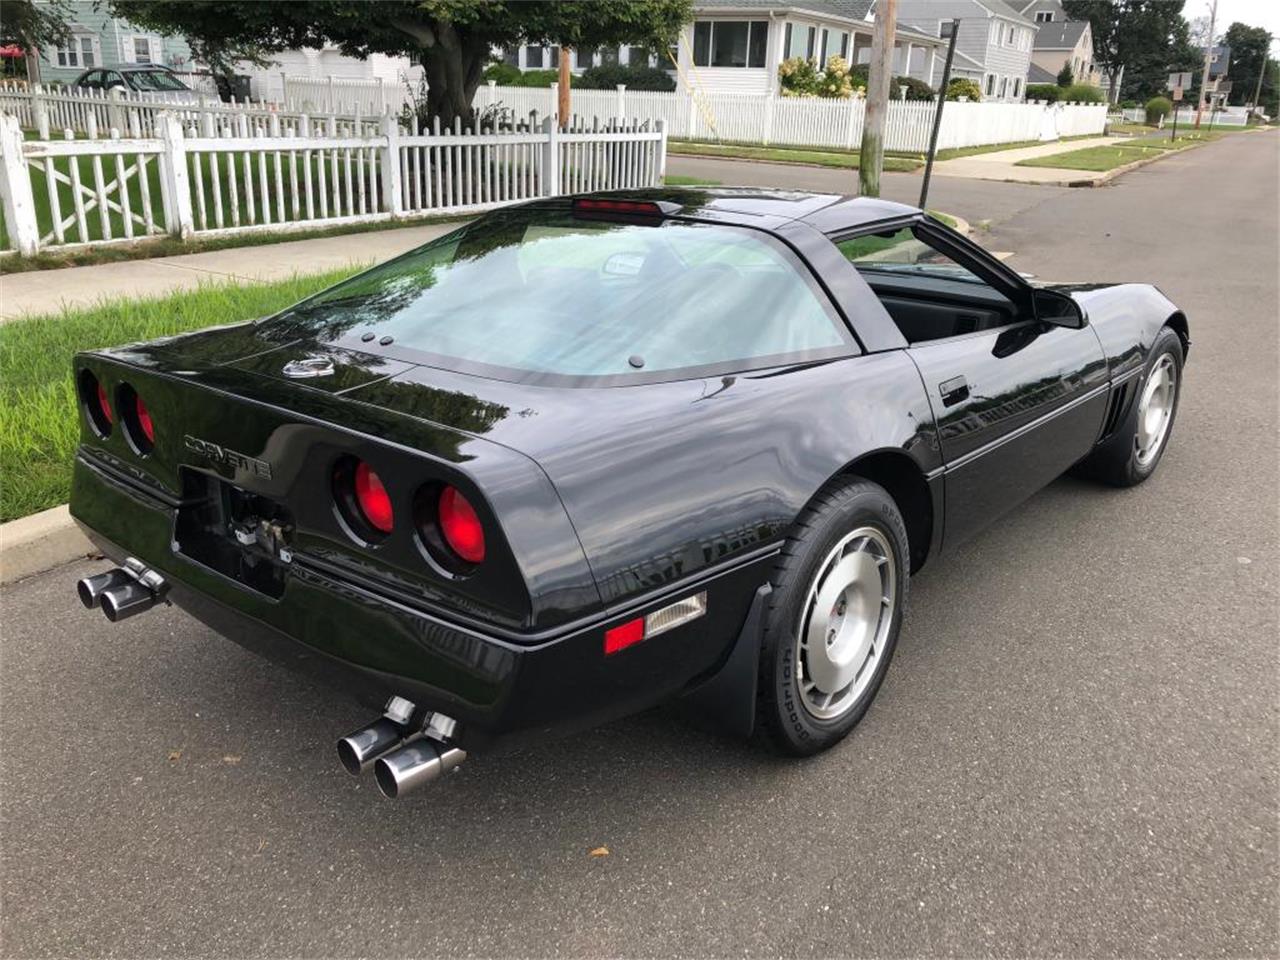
902,252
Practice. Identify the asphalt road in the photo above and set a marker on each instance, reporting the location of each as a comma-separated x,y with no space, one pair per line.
1075,752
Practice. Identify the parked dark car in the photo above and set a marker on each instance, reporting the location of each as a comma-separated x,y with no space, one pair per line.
589,454
150,79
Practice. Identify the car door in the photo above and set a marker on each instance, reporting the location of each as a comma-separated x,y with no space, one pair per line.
1016,400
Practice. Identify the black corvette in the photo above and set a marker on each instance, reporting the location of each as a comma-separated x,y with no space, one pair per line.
588,454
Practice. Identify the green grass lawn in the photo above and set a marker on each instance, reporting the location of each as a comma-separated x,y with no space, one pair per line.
679,181
841,159
39,425
1099,159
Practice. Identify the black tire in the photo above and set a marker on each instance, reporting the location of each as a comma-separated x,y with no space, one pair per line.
843,507
1116,460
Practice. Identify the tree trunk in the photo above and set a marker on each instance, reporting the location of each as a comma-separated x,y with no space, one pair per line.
453,66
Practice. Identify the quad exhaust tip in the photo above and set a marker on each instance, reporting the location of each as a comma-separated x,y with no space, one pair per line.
123,592
403,757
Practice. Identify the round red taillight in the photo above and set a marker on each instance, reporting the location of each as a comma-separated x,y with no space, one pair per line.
144,419
104,405
460,526
372,498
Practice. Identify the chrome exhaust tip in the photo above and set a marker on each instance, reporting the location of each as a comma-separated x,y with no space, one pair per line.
357,751
91,589
415,765
127,600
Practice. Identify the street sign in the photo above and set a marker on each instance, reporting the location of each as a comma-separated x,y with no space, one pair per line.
1177,93
1179,80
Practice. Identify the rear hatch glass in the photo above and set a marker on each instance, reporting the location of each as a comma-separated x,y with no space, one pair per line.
537,295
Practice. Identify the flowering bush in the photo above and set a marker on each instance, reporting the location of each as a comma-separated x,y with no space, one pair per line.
801,77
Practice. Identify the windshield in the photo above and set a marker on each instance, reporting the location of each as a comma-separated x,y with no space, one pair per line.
527,293
155,80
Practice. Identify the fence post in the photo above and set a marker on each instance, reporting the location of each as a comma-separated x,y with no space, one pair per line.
15,189
173,177
768,118
41,110
330,105
391,188
621,109
114,116
551,157
554,109
662,151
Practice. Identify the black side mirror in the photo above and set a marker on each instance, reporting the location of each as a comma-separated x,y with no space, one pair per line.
1058,309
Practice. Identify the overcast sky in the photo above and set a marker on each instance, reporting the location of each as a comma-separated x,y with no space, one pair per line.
1256,13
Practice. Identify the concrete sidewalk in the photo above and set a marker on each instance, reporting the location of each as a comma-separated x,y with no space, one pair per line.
48,291
1001,164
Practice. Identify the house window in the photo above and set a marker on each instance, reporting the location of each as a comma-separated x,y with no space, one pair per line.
511,56
844,46
946,28
82,50
800,41
533,57
991,84
1012,38
1017,87
584,58
638,56
730,43
822,46
1044,16
1004,87
142,50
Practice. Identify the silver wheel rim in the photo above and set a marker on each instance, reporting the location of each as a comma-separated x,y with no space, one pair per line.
1155,410
844,626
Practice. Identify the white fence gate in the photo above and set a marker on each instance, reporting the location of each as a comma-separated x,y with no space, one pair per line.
185,182
813,121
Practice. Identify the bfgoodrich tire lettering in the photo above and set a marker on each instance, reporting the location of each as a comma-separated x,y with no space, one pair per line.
832,626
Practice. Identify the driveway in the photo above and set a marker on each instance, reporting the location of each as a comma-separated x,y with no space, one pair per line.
1075,752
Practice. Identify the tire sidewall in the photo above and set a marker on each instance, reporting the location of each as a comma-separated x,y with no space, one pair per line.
1167,343
864,505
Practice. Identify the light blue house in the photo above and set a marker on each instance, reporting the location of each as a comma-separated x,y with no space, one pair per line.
99,39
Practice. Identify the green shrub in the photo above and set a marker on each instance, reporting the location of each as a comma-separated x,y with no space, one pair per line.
1129,104
506,75
1158,108
608,76
1065,77
916,89
963,87
1044,91
1082,93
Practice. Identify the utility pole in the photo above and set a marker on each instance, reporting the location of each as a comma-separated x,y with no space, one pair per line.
1208,60
879,73
565,74
937,118
1262,70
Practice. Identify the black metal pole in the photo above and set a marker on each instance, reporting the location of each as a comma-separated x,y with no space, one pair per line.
1173,137
937,117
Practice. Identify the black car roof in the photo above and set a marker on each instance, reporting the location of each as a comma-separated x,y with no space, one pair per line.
769,207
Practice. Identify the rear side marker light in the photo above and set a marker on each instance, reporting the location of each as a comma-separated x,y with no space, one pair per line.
651,625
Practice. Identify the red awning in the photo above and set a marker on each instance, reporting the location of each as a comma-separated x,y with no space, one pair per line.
13,51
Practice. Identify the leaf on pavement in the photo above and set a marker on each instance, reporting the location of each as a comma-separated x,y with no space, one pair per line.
231,758
175,756
600,852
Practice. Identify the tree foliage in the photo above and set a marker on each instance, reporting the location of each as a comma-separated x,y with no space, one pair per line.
34,25
1065,77
1250,55
452,38
1147,39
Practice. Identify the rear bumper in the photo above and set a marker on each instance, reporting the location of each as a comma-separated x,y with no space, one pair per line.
372,646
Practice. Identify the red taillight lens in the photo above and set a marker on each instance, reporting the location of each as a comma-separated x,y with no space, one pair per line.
624,635
460,526
104,405
372,498
144,419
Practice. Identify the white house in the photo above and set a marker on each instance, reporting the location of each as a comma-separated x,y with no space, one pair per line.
991,34
735,46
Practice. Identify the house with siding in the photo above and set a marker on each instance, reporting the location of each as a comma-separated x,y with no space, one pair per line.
99,39
991,33
1061,40
735,46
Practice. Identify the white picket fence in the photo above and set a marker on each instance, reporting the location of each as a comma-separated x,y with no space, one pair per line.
187,183
816,122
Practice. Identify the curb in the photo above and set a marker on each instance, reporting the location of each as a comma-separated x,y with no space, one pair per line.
40,542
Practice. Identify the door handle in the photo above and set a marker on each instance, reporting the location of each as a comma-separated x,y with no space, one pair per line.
953,391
